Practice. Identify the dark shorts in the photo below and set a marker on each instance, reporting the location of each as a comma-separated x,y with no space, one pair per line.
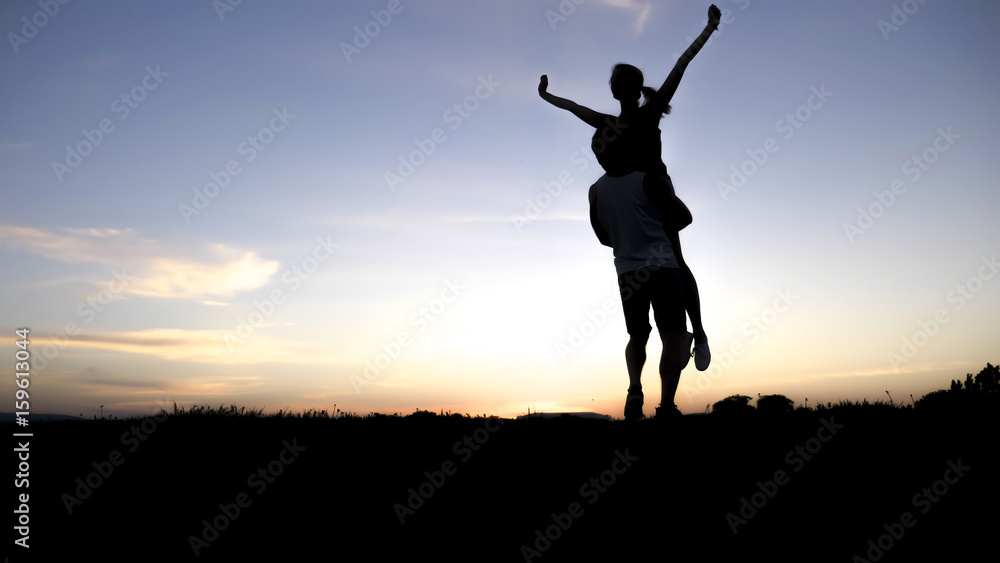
660,288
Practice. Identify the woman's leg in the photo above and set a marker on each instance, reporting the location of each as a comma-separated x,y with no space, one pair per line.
692,304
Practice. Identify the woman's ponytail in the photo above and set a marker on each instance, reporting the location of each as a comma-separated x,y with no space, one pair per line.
648,92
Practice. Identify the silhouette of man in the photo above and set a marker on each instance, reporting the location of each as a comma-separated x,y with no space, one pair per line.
632,212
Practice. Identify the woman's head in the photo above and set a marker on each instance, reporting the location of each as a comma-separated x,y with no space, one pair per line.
627,83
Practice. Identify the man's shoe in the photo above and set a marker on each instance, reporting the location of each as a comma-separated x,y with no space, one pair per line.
633,406
663,413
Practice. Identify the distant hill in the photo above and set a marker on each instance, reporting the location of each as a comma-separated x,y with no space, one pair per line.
562,414
9,417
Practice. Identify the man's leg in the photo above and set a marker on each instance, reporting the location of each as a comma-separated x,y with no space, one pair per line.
668,308
635,304
635,358
671,361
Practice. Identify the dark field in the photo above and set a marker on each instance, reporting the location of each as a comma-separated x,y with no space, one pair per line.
818,486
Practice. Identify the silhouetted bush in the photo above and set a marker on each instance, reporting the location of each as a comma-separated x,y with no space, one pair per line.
775,404
979,392
733,404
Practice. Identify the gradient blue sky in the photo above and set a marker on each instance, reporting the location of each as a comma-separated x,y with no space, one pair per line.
467,284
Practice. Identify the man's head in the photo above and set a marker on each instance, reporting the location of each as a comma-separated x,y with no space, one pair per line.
613,151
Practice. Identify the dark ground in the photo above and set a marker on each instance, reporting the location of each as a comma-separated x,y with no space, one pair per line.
337,499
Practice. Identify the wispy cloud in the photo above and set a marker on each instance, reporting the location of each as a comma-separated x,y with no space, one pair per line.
201,346
123,393
103,378
230,273
642,11
150,268
903,373
105,246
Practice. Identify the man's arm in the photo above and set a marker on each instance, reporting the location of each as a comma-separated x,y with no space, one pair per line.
589,116
595,223
669,87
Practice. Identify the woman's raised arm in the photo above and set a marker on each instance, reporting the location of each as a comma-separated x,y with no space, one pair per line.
589,116
666,91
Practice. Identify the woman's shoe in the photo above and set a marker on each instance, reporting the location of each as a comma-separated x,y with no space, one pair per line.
702,356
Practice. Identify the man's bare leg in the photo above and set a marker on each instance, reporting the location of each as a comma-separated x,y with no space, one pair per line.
635,359
671,361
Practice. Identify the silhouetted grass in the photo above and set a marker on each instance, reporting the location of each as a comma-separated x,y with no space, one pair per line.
485,486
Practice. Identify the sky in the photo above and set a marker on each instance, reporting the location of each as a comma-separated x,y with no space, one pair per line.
366,206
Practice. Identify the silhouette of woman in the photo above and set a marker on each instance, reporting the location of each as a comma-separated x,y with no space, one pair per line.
635,135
